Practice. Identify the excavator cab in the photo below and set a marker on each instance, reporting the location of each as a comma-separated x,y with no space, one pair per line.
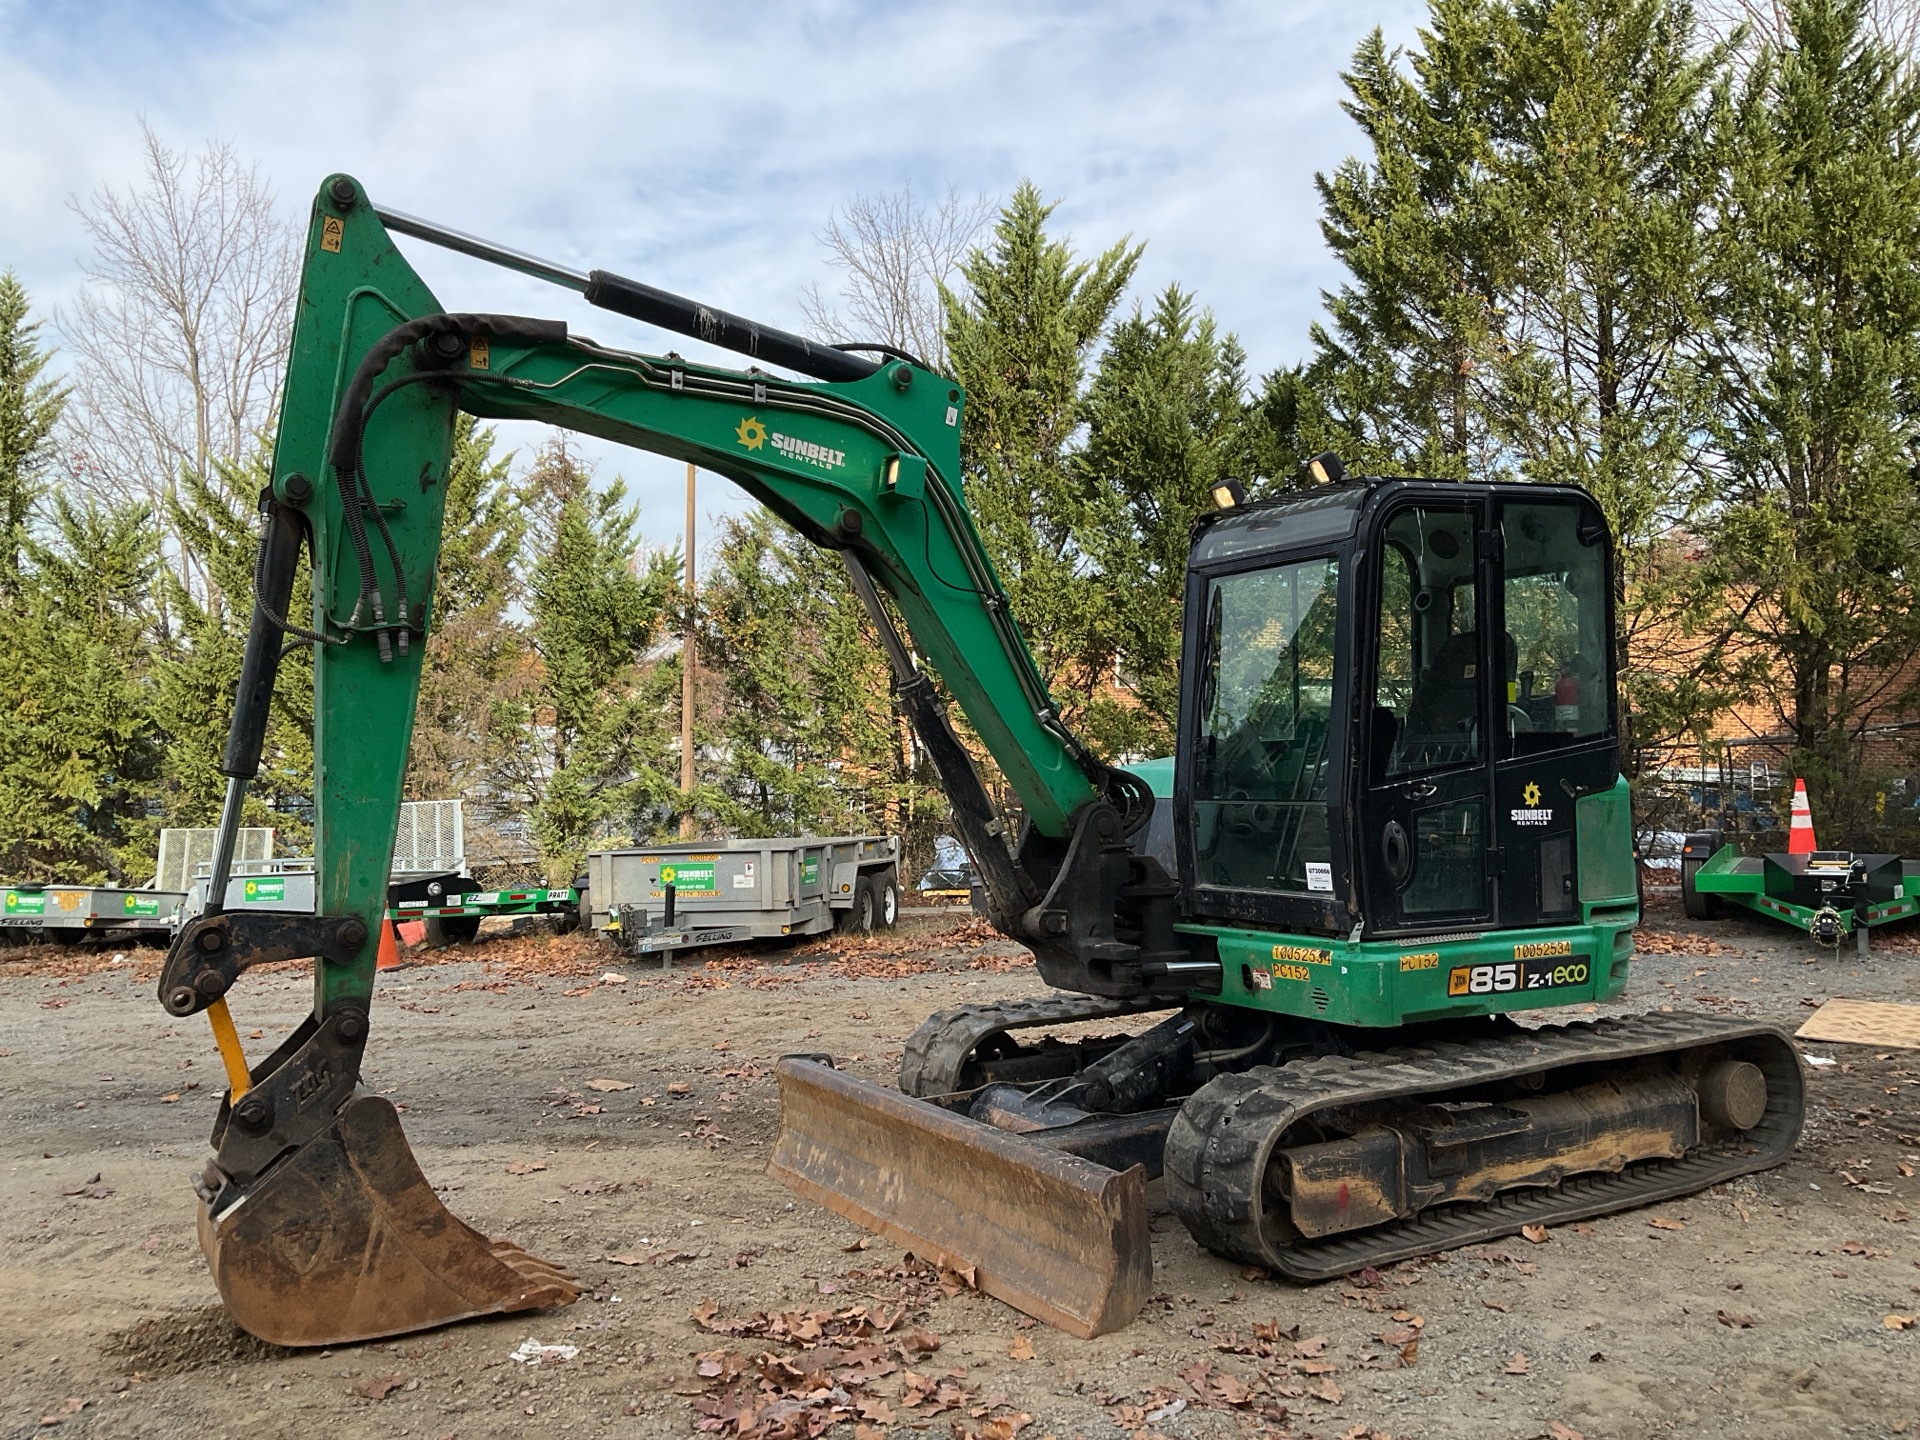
1400,688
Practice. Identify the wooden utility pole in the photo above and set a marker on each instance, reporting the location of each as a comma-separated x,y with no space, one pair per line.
686,680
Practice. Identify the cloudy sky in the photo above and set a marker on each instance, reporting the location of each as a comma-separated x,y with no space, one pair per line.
702,147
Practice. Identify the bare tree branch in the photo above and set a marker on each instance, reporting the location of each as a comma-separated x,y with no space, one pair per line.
1895,22
894,253
181,335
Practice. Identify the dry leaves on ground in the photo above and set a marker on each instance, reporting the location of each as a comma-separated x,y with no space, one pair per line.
90,1189
379,1386
525,1167
1677,942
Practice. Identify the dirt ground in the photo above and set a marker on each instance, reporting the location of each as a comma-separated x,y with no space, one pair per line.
1768,1308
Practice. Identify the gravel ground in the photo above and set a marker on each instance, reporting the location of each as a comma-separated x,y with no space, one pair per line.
1760,1309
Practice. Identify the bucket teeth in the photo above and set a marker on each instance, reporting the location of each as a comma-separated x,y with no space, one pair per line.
345,1241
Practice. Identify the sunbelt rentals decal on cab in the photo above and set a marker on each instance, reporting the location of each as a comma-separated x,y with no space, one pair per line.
1530,811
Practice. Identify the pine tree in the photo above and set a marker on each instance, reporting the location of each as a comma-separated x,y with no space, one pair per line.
1528,274
79,754
1816,370
1166,419
477,671
1020,335
198,675
598,728
30,409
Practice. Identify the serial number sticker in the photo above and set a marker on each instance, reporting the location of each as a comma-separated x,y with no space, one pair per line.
1303,954
1542,949
1507,978
1428,960
1292,972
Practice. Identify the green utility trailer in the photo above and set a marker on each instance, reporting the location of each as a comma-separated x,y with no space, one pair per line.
1830,894
454,905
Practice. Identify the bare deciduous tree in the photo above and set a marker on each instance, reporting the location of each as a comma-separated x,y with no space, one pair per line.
181,335
894,253
1895,22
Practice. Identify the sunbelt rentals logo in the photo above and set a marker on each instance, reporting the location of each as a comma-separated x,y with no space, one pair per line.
753,435
1530,811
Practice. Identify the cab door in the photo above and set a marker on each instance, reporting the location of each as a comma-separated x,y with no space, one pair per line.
1425,827
1557,738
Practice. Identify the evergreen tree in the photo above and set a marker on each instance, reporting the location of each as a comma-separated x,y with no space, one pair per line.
1166,419
803,729
30,408
79,754
476,675
598,727
1020,335
197,678
1816,369
1528,273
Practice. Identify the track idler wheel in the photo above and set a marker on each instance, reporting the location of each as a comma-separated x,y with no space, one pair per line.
346,1241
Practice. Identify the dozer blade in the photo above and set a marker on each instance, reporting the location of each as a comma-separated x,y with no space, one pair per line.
346,1241
1052,1234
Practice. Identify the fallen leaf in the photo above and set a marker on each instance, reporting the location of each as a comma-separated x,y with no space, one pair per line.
1734,1319
525,1167
1020,1349
1899,1322
1583,1229
379,1387
1537,1234
861,1244
1327,1391
72,1405
678,1087
603,1086
1499,1305
1519,1364
173,1099
1661,1222
256,1034
1557,1431
91,1189
628,1259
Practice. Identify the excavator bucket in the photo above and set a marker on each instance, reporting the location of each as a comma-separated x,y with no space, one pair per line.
346,1241
1055,1235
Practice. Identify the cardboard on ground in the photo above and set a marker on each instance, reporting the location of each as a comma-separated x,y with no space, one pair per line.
1864,1022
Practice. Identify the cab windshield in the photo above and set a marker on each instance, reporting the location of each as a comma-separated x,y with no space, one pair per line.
1266,700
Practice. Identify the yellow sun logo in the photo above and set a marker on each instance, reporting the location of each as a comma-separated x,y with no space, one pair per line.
750,433
1530,796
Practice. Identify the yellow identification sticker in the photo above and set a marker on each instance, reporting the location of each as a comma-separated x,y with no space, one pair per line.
1292,972
1426,960
479,353
1304,954
1542,949
332,230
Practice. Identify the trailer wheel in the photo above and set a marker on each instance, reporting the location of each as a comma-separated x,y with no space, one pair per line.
1698,906
452,929
886,895
866,906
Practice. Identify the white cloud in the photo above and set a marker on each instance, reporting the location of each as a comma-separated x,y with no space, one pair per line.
701,148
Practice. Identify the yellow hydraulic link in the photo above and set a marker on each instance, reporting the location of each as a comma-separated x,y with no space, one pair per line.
239,1080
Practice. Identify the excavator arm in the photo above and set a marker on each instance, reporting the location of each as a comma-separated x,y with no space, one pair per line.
864,459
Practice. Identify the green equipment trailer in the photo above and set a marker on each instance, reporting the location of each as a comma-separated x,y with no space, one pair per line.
1830,894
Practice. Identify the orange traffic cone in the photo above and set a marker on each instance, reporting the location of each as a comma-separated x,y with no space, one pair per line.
1800,839
389,957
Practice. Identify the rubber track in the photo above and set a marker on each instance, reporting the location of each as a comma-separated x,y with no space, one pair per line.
936,1054
1218,1146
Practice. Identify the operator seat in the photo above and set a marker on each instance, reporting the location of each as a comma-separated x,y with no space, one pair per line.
1446,698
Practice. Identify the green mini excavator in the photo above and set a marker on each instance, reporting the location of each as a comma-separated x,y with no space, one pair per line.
1394,823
